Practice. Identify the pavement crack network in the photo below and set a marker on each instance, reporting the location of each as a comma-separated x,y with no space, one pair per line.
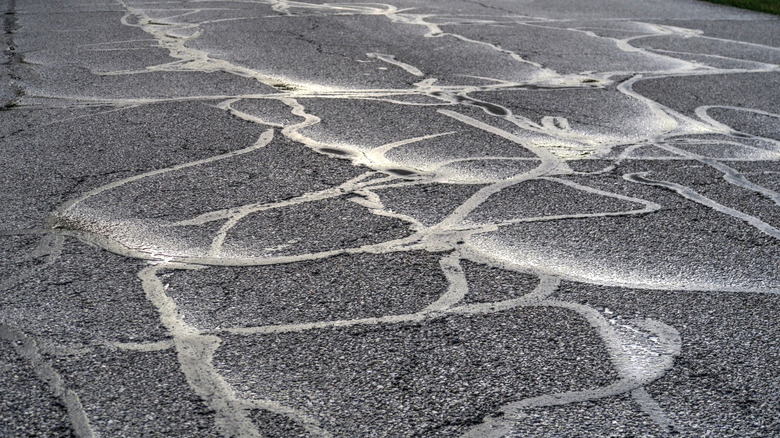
27,347
476,147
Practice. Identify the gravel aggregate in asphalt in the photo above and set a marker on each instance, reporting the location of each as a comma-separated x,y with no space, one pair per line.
479,219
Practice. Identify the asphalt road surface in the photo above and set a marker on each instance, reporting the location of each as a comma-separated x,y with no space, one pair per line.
275,218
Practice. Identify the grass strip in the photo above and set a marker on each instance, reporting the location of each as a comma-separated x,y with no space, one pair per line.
769,6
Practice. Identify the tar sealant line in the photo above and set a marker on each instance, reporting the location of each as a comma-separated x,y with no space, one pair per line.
189,59
416,19
549,163
371,201
456,290
404,244
243,211
649,206
624,155
457,285
559,217
703,113
390,59
376,180
401,102
235,214
686,192
541,70
501,427
480,256
729,174
63,210
377,155
195,354
759,65
651,407
392,181
361,9
189,11
443,175
226,105
106,43
669,122
121,107
143,346
742,43
641,350
293,131
434,31
548,284
638,358
547,158
50,245
306,326
770,151
458,216
655,31
27,347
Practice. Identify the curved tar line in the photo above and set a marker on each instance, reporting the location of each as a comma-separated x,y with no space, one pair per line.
442,307
27,347
264,139
729,174
648,206
236,214
195,352
703,113
244,210
686,192
624,358
390,59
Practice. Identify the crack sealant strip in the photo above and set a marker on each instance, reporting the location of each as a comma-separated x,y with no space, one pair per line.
27,347
195,352
61,212
686,192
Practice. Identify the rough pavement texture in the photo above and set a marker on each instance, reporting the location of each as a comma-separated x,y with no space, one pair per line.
487,219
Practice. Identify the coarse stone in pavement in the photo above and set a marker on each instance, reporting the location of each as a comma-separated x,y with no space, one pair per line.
298,218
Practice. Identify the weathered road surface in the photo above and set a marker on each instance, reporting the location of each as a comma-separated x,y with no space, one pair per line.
277,218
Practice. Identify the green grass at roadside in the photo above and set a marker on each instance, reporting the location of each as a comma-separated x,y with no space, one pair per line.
770,6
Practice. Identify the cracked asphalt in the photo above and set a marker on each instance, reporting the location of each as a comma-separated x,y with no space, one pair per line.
277,218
